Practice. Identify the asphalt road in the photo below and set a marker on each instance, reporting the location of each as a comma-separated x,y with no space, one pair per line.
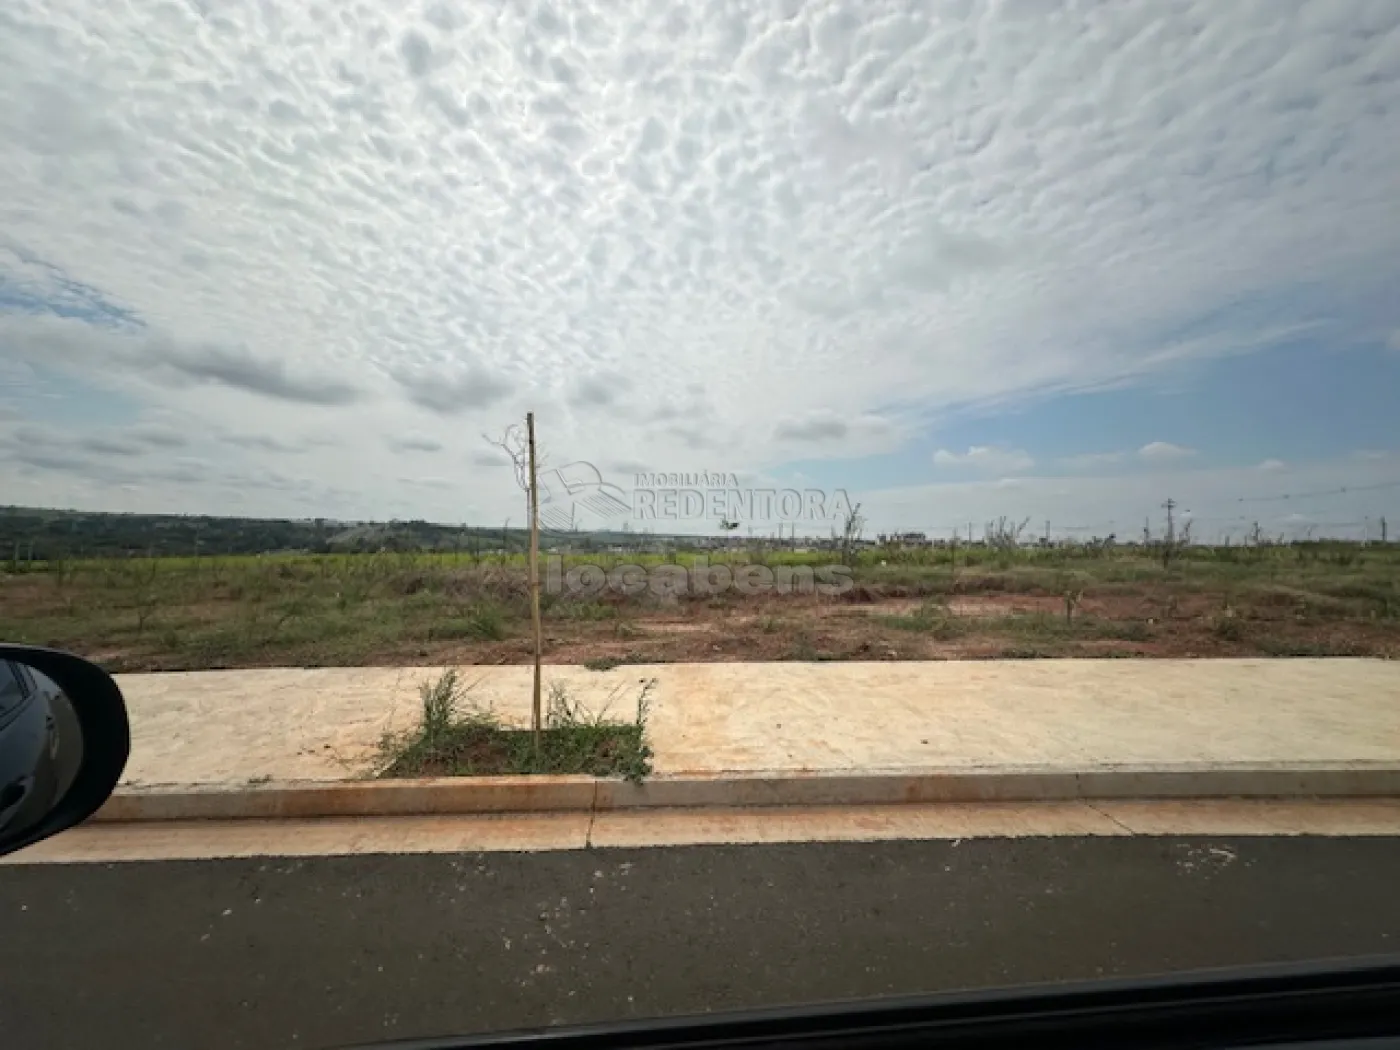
329,951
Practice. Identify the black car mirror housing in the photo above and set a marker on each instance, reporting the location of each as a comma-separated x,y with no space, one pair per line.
94,708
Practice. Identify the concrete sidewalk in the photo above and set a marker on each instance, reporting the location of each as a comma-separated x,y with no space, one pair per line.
229,728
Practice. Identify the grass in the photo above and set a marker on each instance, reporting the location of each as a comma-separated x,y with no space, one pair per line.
603,663
1022,652
1051,627
457,737
1226,625
803,649
583,611
932,617
607,663
190,613
1279,648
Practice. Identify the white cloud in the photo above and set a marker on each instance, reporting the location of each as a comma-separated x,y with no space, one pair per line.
414,442
1092,460
488,457
986,458
1163,452
152,357
829,433
365,222
1274,465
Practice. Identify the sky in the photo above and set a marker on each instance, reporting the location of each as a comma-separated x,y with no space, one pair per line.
1054,261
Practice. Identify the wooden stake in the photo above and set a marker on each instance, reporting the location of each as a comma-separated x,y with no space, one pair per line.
535,714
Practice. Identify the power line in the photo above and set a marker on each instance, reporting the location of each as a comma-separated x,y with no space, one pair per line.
1322,492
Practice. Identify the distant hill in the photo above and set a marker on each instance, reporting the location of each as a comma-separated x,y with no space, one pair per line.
53,533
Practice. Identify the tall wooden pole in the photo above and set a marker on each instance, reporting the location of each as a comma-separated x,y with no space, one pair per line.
535,714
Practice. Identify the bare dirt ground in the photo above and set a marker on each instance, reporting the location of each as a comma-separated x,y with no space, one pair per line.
983,627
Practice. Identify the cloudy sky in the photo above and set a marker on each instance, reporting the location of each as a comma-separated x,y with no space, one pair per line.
1057,260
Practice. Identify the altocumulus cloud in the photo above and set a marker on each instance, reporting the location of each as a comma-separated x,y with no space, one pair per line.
470,208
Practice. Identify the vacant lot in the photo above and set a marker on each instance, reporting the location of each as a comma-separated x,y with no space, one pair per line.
322,610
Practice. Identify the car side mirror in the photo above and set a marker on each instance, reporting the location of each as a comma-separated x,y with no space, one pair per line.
64,741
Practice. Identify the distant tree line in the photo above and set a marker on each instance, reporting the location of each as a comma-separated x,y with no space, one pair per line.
35,534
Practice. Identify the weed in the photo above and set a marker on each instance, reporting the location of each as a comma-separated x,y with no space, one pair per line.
803,650
603,663
1284,647
1226,625
457,738
1072,599
439,699
932,617
484,620
343,608
1124,630
584,611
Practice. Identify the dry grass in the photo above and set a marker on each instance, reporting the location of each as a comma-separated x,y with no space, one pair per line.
185,613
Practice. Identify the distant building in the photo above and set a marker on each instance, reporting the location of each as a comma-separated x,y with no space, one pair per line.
905,539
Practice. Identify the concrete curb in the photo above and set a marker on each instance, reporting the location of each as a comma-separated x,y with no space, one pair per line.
542,794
